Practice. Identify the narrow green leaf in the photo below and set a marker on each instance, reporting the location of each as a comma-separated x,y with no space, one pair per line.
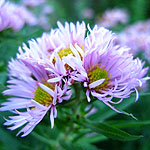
109,131
129,124
93,138
87,136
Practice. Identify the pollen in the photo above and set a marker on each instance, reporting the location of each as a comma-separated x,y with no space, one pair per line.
64,52
97,73
42,97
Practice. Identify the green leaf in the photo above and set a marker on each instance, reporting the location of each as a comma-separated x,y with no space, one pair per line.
109,131
93,138
89,137
129,124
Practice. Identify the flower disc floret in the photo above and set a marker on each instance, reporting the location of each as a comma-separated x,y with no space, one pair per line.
42,97
64,52
97,73
75,52
67,51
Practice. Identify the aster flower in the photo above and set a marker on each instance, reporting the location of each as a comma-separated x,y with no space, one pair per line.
26,16
137,37
58,39
52,50
4,21
111,70
112,17
32,97
11,13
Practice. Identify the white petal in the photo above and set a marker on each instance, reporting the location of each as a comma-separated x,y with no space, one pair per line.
96,83
137,95
75,52
52,117
57,79
87,94
47,89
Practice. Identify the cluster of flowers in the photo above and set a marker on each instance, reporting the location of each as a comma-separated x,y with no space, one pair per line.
41,76
15,16
43,13
137,37
113,17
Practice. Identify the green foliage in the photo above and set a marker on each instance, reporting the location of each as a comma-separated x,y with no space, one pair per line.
109,131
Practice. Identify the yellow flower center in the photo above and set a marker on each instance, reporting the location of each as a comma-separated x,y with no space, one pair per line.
42,97
64,52
96,73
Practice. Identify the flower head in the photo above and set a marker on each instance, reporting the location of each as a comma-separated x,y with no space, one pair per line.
111,70
54,49
112,17
15,16
137,37
32,92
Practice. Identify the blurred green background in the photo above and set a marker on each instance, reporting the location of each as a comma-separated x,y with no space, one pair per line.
43,138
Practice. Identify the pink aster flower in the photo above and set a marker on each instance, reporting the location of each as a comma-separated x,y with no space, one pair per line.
4,21
31,92
112,17
59,38
137,37
15,16
111,72
26,15
54,49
